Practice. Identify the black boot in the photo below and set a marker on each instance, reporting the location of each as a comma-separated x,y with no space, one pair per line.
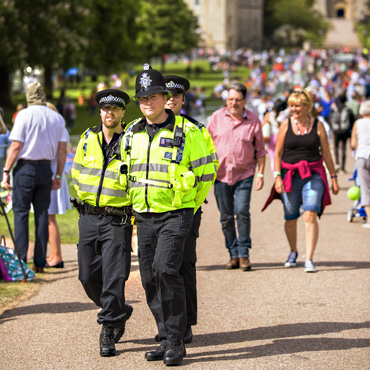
107,347
156,355
118,332
188,335
175,353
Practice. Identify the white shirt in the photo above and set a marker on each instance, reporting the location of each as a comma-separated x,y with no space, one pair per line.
40,129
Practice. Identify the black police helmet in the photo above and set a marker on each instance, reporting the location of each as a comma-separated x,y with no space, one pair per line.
177,84
150,82
112,97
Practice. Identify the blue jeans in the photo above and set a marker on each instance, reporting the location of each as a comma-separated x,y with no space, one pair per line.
306,193
234,201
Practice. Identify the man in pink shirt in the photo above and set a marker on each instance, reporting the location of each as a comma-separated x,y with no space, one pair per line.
237,134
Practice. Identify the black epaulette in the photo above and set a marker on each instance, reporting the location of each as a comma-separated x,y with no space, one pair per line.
194,121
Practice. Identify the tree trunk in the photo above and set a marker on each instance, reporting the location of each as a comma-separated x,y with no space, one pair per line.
48,83
163,64
5,100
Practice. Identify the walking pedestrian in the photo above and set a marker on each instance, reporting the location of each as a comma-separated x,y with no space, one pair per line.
105,229
178,86
237,134
300,177
164,154
37,138
360,141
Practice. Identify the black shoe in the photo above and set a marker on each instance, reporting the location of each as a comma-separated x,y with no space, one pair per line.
175,353
156,355
156,338
188,335
118,332
107,347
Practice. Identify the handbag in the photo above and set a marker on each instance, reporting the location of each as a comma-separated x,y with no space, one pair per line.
10,264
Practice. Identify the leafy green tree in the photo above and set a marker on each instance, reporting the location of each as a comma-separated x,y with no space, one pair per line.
112,35
165,27
12,45
299,15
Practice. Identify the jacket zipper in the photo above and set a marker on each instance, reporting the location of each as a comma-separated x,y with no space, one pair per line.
147,174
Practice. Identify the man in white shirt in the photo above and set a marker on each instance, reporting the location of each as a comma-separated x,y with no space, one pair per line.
37,137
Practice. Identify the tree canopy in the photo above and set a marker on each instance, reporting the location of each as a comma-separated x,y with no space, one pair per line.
294,18
165,27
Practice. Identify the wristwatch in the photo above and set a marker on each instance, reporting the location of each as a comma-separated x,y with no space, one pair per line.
6,171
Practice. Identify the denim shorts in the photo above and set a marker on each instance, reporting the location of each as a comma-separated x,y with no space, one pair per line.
307,193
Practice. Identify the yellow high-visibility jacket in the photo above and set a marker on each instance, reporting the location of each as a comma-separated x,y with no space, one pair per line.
208,139
97,183
148,161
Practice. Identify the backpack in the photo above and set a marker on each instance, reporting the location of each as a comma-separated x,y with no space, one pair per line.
340,121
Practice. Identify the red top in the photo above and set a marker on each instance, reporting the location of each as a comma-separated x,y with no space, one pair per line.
304,168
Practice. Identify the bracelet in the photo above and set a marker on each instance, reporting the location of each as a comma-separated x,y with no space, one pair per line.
6,171
260,175
276,174
58,177
334,176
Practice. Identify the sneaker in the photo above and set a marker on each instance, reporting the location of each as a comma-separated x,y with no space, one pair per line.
309,267
366,225
291,262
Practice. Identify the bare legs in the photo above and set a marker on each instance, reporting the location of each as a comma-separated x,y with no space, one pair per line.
55,256
312,233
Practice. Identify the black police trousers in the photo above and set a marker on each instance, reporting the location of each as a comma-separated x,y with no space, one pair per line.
188,273
104,260
161,240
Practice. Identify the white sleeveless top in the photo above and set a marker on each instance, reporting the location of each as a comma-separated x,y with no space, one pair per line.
363,138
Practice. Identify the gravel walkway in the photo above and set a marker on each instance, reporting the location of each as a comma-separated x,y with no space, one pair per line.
269,318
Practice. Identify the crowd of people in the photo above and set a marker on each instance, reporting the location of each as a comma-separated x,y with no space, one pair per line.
157,171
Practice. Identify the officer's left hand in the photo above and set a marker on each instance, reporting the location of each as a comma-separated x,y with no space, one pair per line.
259,183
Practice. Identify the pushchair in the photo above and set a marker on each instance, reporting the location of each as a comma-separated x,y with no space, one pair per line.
356,210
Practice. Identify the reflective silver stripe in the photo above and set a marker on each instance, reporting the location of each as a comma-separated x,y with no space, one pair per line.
74,181
204,178
111,175
214,156
202,161
77,166
113,192
88,188
91,171
141,167
153,182
135,184
119,193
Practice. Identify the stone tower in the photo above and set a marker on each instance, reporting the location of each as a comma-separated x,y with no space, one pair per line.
229,24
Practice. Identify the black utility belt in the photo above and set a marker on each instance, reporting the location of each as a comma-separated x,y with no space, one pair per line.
108,211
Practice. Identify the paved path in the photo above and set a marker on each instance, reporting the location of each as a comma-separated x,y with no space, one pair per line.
268,318
342,34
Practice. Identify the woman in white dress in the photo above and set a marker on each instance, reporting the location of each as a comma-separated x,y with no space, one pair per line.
59,203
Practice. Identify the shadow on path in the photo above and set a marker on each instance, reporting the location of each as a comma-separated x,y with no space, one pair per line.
332,265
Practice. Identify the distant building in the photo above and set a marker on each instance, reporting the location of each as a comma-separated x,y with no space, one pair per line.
342,14
233,24
352,10
229,24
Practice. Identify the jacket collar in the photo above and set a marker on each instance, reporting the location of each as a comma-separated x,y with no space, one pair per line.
169,124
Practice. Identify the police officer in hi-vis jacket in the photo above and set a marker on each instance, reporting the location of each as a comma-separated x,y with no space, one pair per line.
169,172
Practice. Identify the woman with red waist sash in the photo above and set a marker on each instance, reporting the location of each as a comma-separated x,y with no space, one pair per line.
300,177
